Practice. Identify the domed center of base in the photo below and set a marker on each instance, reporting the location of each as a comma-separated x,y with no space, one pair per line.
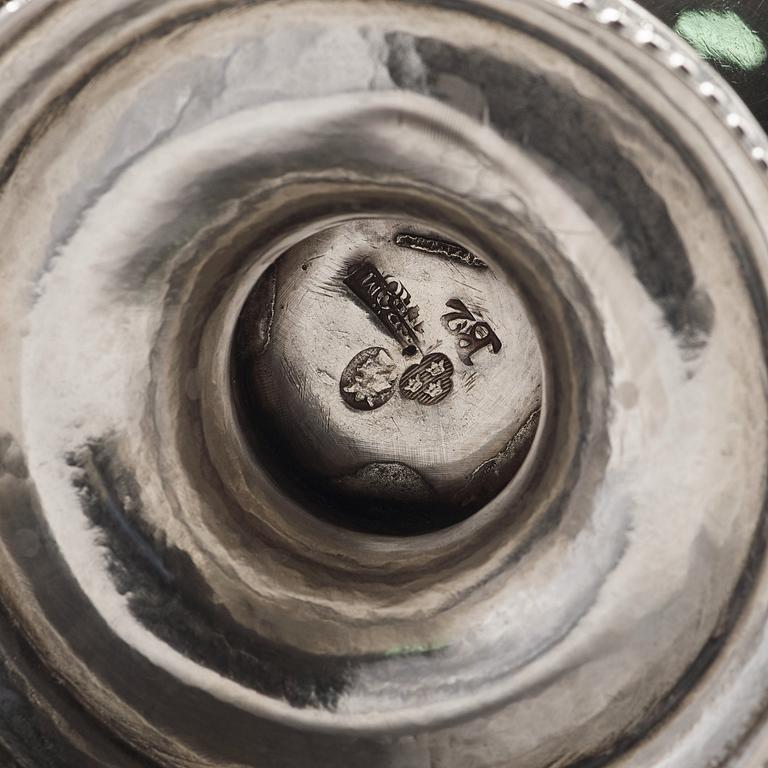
388,378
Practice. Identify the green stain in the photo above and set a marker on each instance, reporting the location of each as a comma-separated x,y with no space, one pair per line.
722,37
412,650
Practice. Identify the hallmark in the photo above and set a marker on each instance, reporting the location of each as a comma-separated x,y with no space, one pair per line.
403,302
369,379
429,381
442,248
473,334
389,302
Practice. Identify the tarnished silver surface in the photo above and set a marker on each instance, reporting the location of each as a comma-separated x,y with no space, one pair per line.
436,416
167,600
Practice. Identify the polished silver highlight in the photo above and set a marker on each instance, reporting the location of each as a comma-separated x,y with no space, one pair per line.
183,188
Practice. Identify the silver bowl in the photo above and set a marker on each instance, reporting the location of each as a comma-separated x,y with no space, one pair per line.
172,595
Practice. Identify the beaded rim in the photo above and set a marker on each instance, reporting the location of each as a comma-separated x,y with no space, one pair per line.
633,23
